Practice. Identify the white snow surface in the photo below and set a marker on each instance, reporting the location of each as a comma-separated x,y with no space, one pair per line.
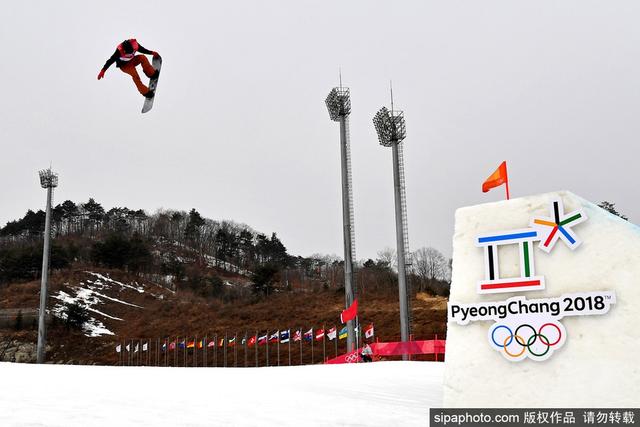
87,295
372,394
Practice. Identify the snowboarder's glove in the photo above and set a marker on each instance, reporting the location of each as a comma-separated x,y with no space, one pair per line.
155,54
100,74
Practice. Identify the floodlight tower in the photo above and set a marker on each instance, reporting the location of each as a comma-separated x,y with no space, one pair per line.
391,130
339,106
48,180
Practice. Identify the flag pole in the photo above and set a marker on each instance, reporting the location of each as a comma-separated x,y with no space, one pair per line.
224,348
256,344
278,348
300,345
289,330
235,350
324,341
268,347
313,338
507,179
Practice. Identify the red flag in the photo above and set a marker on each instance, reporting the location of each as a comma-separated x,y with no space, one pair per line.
211,344
350,313
252,340
319,334
497,178
172,346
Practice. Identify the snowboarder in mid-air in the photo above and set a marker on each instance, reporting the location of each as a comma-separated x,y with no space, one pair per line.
126,59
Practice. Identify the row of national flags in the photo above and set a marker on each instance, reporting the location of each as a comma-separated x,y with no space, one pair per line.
281,337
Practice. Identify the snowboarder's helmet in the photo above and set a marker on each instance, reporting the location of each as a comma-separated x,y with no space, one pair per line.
127,46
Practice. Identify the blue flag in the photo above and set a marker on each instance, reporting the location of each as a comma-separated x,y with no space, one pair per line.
343,333
284,336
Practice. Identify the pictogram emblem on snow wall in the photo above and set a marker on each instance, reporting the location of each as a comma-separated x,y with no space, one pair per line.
529,328
543,229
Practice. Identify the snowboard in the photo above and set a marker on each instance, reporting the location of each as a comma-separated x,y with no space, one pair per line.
153,84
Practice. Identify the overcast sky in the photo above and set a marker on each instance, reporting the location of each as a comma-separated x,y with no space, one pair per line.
240,131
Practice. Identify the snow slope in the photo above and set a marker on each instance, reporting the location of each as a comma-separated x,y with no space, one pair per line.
375,394
90,294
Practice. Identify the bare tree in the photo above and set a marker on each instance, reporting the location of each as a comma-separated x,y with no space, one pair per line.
429,264
388,258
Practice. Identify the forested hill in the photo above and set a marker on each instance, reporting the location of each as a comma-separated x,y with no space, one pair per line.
179,249
123,273
138,242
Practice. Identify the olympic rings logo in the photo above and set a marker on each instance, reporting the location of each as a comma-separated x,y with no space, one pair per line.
537,343
351,358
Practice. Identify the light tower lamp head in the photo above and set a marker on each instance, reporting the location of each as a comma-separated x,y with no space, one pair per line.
390,127
48,179
338,103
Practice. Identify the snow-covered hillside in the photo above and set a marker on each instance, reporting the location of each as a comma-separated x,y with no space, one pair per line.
374,394
91,294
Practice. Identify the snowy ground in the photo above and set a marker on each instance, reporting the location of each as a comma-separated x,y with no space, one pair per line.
375,394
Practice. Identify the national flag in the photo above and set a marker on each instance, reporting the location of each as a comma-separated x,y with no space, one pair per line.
145,346
221,343
118,348
349,313
343,333
211,343
274,337
200,344
231,342
297,335
368,332
252,340
127,347
244,340
172,345
497,178
191,344
164,346
136,349
262,340
319,334
284,336
331,334
181,345
308,336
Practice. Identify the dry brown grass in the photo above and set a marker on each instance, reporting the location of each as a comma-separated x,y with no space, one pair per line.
187,314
